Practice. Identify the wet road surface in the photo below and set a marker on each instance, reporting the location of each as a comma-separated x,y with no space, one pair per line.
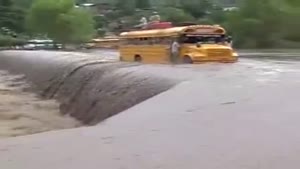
222,116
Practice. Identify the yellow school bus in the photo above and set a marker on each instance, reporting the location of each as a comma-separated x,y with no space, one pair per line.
198,44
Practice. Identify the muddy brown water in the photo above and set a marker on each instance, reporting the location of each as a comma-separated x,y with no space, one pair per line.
23,113
233,116
69,89
89,88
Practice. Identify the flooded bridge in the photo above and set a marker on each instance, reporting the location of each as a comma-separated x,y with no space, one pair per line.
133,116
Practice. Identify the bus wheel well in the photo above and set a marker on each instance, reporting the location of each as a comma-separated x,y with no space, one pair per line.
137,58
187,59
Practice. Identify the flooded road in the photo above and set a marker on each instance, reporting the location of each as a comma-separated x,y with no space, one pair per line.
217,116
24,113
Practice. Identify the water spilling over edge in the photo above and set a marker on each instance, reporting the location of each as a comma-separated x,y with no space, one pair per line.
89,88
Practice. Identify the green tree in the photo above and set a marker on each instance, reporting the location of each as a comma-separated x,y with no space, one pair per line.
291,15
256,24
295,3
81,1
100,21
217,15
6,3
61,21
127,7
23,3
197,8
172,3
11,17
5,11
142,4
175,15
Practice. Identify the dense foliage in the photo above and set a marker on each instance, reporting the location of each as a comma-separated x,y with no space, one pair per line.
11,23
255,23
60,20
11,17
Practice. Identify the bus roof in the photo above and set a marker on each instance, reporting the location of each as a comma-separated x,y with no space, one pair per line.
175,31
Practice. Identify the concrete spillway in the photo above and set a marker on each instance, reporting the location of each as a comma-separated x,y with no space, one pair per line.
89,88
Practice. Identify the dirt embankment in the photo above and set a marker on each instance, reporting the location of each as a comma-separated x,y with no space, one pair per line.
89,88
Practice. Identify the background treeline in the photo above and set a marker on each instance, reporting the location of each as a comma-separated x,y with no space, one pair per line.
252,23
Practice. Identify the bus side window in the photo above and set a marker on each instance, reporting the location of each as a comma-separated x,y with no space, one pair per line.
126,42
151,41
167,41
163,41
146,41
140,41
158,40
155,41
135,41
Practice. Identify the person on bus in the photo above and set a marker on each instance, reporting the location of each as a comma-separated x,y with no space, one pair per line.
175,49
155,17
143,22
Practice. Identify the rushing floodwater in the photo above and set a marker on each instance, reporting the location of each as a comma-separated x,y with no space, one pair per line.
23,113
223,116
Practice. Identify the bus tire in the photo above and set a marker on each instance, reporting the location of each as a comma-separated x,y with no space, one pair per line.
187,60
137,58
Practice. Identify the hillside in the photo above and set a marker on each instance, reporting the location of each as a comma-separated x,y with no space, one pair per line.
164,2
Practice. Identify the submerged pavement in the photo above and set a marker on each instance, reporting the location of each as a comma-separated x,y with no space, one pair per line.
221,116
